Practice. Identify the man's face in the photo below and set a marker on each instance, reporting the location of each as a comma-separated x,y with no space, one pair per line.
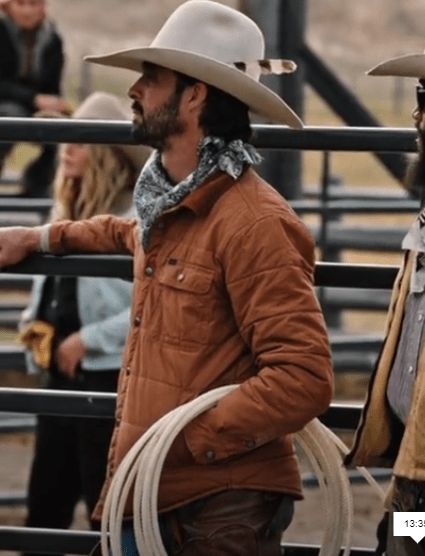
156,107
415,178
27,14
419,111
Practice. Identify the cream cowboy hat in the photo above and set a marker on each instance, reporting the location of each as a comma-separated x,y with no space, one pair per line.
104,106
409,65
219,46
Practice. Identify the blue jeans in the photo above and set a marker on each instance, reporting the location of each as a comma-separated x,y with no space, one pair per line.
129,547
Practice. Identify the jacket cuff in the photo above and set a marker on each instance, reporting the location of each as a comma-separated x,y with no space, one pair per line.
207,446
90,336
44,244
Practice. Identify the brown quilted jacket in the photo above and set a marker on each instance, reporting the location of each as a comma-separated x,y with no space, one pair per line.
224,294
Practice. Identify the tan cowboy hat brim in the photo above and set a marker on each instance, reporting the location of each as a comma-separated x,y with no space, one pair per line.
256,96
409,65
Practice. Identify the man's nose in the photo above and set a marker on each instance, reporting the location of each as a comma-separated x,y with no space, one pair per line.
418,117
135,91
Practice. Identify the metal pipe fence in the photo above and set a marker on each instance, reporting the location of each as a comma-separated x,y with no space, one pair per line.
82,542
93,404
301,206
338,275
319,138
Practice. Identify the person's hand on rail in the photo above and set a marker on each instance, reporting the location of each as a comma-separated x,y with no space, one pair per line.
17,242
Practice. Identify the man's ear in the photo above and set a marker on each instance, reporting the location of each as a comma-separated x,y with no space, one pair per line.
197,95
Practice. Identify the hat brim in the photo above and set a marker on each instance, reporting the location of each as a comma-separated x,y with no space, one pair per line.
257,97
409,65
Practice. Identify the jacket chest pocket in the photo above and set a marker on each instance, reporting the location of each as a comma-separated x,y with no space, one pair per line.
185,303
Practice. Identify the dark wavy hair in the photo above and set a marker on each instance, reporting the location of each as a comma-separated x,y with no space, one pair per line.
223,115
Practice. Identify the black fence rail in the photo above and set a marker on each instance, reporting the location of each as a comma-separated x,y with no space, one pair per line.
349,352
301,206
317,138
82,542
327,274
102,404
15,283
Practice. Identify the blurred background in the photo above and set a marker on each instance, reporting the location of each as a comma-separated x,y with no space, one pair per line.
348,38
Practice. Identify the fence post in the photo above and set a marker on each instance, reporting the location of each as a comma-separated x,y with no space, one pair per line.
332,315
283,24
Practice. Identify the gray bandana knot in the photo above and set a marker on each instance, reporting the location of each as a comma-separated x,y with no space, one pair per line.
155,193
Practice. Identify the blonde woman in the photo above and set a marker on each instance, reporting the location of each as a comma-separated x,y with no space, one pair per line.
75,328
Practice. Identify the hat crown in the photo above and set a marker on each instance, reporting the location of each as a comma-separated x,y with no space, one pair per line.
210,29
219,46
101,106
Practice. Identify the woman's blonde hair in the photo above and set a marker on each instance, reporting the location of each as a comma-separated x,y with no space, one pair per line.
109,175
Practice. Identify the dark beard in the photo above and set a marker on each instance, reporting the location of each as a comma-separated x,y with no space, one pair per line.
415,174
155,129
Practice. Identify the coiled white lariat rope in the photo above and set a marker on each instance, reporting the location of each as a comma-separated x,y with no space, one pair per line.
141,469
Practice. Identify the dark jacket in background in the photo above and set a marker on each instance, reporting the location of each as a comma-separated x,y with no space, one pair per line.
13,87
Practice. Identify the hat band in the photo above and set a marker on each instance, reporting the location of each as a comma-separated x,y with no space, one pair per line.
267,66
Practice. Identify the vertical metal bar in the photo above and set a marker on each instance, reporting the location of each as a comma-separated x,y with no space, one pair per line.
324,197
344,103
283,24
332,314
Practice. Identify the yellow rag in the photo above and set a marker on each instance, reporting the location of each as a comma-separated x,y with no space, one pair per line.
38,336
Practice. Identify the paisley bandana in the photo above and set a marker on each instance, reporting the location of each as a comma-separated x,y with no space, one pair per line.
155,193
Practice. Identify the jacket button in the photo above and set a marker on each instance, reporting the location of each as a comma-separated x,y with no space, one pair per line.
149,271
127,370
180,277
210,455
137,321
250,444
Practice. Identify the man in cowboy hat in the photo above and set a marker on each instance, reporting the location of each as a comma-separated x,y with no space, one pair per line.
391,432
223,288
31,65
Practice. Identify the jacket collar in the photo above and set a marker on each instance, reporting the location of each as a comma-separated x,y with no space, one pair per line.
202,200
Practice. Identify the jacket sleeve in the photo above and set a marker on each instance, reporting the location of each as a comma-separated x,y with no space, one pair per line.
10,88
100,234
269,278
22,94
108,335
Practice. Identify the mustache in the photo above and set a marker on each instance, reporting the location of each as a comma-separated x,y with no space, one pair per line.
136,107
